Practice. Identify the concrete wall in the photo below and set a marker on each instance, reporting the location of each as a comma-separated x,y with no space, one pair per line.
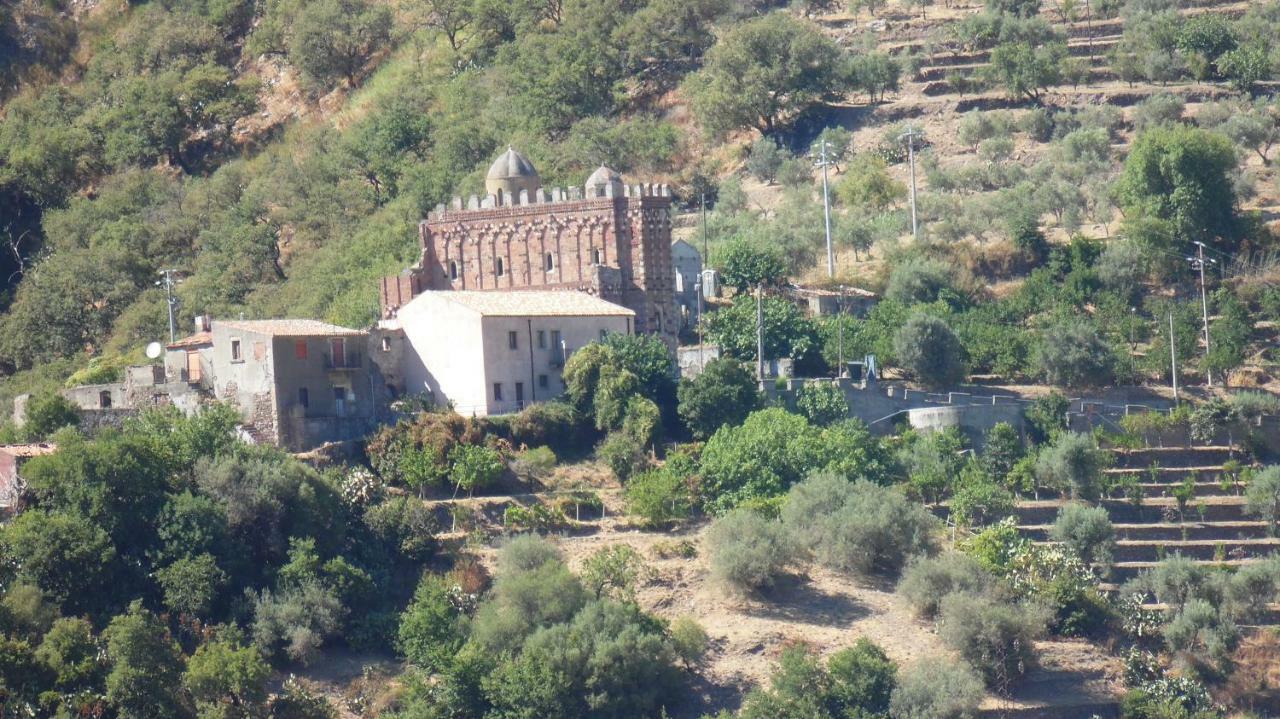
444,355
341,400
458,355
249,382
529,361
92,396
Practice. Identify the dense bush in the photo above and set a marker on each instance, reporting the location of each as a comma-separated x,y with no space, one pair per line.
1073,354
929,350
1263,497
926,580
1072,464
858,526
659,497
937,688
773,449
724,393
1087,531
822,403
856,682
748,551
996,637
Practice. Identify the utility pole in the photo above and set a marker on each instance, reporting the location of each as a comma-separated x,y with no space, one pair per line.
910,136
172,301
823,162
703,207
759,334
1197,263
840,333
1173,358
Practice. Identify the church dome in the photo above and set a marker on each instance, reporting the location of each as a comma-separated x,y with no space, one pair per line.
601,179
509,174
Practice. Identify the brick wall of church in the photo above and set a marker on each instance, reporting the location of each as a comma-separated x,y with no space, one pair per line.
618,247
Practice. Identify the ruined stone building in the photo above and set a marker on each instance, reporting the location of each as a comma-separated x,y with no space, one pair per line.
607,238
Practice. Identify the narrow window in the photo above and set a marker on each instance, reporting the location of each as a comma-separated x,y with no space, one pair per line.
519,391
304,398
453,270
543,382
513,340
555,340
497,391
104,399
386,344
550,262
595,256
339,351
501,269
235,351
392,392
603,332
300,349
542,339
340,393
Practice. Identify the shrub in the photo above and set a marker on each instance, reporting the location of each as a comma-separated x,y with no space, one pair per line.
926,580
748,551
765,160
994,636
937,688
1001,450
858,526
1073,354
624,454
724,393
48,413
613,572
689,641
920,279
1175,581
534,463
1263,497
822,403
1087,531
1202,635
658,497
857,682
552,424
534,589
296,622
474,467
430,633
928,349
980,501
1072,464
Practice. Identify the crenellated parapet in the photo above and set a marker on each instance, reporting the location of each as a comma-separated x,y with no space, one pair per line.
543,197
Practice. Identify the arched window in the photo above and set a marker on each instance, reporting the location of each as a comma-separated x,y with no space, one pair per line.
453,270
104,399
550,262
500,268
595,256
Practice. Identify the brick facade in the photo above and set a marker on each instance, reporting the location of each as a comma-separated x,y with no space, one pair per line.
615,242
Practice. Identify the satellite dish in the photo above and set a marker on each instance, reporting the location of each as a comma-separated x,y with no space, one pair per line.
153,350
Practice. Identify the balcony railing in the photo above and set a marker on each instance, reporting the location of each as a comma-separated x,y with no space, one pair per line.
349,360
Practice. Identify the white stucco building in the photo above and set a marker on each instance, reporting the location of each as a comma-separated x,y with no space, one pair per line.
496,352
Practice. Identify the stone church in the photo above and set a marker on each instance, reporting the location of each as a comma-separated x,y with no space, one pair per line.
608,238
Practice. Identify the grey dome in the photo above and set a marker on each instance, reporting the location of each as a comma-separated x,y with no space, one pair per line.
602,178
511,173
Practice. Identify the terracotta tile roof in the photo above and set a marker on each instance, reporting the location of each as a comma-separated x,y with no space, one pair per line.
28,450
533,303
195,340
290,328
